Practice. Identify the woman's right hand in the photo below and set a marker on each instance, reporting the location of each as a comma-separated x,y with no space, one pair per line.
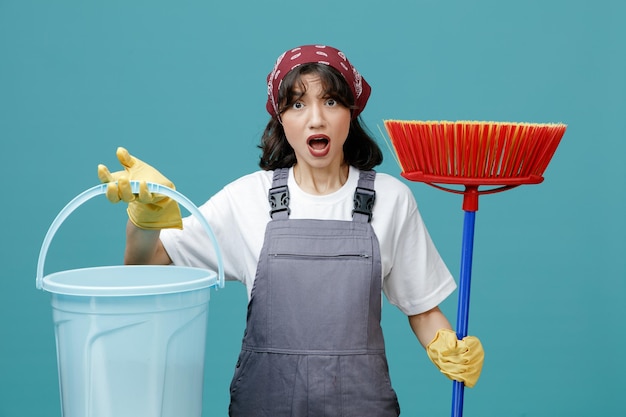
145,210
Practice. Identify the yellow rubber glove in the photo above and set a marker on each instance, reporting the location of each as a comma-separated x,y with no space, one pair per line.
146,210
460,360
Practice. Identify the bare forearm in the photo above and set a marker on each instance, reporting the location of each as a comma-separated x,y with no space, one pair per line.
143,247
425,325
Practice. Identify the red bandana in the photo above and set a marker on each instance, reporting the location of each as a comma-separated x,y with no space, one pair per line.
321,54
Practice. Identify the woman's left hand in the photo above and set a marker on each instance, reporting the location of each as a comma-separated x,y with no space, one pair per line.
460,360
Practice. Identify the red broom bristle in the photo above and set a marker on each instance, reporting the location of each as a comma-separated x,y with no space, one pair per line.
473,152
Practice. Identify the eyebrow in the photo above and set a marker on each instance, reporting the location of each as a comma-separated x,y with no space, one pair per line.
297,93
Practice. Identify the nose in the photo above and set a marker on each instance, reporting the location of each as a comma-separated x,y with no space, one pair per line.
316,116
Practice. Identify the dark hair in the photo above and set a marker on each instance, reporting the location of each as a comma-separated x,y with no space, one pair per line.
360,149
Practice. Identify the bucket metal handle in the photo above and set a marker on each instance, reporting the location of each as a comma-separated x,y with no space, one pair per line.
101,189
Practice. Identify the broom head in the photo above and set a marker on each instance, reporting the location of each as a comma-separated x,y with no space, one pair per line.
473,153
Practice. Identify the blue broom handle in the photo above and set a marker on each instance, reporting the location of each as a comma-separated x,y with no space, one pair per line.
462,317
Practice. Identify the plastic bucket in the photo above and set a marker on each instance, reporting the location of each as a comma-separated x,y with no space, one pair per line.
130,339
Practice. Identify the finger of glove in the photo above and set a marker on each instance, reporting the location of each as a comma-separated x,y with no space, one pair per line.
125,158
460,372
468,372
473,343
474,349
456,356
468,380
139,170
444,344
104,175
125,191
112,192
444,339
144,195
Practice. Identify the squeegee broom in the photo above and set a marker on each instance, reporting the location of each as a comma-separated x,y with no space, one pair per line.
472,154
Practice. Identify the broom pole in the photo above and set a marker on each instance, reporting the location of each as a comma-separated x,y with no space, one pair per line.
470,206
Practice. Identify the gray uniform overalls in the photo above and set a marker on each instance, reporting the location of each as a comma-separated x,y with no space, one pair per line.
313,344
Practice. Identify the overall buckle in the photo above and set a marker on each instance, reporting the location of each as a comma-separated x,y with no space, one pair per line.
364,202
279,200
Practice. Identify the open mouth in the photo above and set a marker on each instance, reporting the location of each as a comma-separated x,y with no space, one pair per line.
318,143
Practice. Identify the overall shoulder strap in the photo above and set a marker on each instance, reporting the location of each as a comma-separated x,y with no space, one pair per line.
278,195
364,197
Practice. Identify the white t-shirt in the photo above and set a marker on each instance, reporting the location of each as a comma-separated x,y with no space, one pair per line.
415,278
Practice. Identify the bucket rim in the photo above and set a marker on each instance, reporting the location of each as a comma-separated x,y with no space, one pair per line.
53,284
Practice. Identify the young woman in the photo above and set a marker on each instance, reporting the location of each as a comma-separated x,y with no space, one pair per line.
315,236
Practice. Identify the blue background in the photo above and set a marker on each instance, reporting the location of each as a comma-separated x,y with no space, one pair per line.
181,85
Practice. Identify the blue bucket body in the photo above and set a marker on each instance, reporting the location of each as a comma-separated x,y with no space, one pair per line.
131,340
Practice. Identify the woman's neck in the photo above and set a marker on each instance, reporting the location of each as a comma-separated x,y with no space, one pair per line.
320,181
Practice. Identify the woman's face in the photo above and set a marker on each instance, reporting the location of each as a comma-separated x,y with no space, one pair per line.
316,126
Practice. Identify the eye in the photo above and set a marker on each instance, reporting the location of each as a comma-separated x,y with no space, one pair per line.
297,105
331,102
